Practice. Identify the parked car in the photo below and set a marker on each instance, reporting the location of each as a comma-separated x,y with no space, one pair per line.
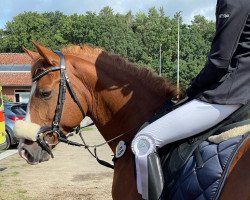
24,106
13,112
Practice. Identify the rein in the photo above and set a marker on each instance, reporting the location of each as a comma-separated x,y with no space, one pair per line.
102,162
55,127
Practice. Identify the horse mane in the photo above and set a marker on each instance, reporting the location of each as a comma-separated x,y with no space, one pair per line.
149,79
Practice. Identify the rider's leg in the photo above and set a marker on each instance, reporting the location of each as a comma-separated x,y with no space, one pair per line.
190,119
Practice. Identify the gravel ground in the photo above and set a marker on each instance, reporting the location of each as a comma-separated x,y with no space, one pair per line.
72,175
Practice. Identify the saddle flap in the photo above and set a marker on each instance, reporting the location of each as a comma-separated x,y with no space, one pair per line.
208,181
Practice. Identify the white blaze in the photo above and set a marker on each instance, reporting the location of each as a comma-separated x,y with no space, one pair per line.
33,89
26,129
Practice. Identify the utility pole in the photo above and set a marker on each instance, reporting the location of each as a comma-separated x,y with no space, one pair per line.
178,55
160,61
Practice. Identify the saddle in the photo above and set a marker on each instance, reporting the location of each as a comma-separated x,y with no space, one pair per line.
195,168
205,182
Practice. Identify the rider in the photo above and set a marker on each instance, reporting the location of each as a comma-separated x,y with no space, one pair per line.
217,91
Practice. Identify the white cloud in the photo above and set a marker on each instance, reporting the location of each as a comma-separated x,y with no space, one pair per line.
190,8
208,12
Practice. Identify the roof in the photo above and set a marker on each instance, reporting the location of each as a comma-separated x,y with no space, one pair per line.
15,79
14,59
15,69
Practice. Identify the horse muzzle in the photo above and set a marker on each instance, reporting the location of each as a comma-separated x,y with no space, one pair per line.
32,152
29,133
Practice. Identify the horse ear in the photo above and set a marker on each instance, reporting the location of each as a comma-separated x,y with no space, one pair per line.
51,57
34,55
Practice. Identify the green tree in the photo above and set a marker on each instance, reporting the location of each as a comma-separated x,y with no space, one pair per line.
136,37
22,30
195,45
54,37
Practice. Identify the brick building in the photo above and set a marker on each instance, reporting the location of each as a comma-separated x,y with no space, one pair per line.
15,76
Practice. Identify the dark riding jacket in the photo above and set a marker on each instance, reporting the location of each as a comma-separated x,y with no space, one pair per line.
225,79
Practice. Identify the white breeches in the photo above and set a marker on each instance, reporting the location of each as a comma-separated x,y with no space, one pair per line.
188,120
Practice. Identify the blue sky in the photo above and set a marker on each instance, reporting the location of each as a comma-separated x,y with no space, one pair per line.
189,8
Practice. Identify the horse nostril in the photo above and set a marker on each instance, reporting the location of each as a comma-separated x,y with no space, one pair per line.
26,156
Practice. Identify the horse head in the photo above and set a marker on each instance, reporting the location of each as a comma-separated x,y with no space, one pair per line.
42,113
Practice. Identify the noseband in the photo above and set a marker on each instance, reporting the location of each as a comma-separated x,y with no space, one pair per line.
64,85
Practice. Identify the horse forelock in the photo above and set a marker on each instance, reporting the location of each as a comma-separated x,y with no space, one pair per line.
37,64
119,65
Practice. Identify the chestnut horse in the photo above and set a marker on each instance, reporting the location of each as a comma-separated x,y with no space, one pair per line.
117,95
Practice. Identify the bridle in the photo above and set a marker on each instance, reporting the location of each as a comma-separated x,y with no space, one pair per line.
54,131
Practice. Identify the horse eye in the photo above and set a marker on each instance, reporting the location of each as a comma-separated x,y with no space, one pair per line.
45,94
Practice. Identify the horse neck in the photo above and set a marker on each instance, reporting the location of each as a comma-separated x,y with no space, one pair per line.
116,114
119,104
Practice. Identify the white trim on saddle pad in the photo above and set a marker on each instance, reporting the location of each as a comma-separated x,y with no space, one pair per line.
26,130
234,132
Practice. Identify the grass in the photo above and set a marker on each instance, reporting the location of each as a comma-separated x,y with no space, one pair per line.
19,194
11,185
15,173
14,167
15,159
87,129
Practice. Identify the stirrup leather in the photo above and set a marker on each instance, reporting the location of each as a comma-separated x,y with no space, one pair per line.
155,177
